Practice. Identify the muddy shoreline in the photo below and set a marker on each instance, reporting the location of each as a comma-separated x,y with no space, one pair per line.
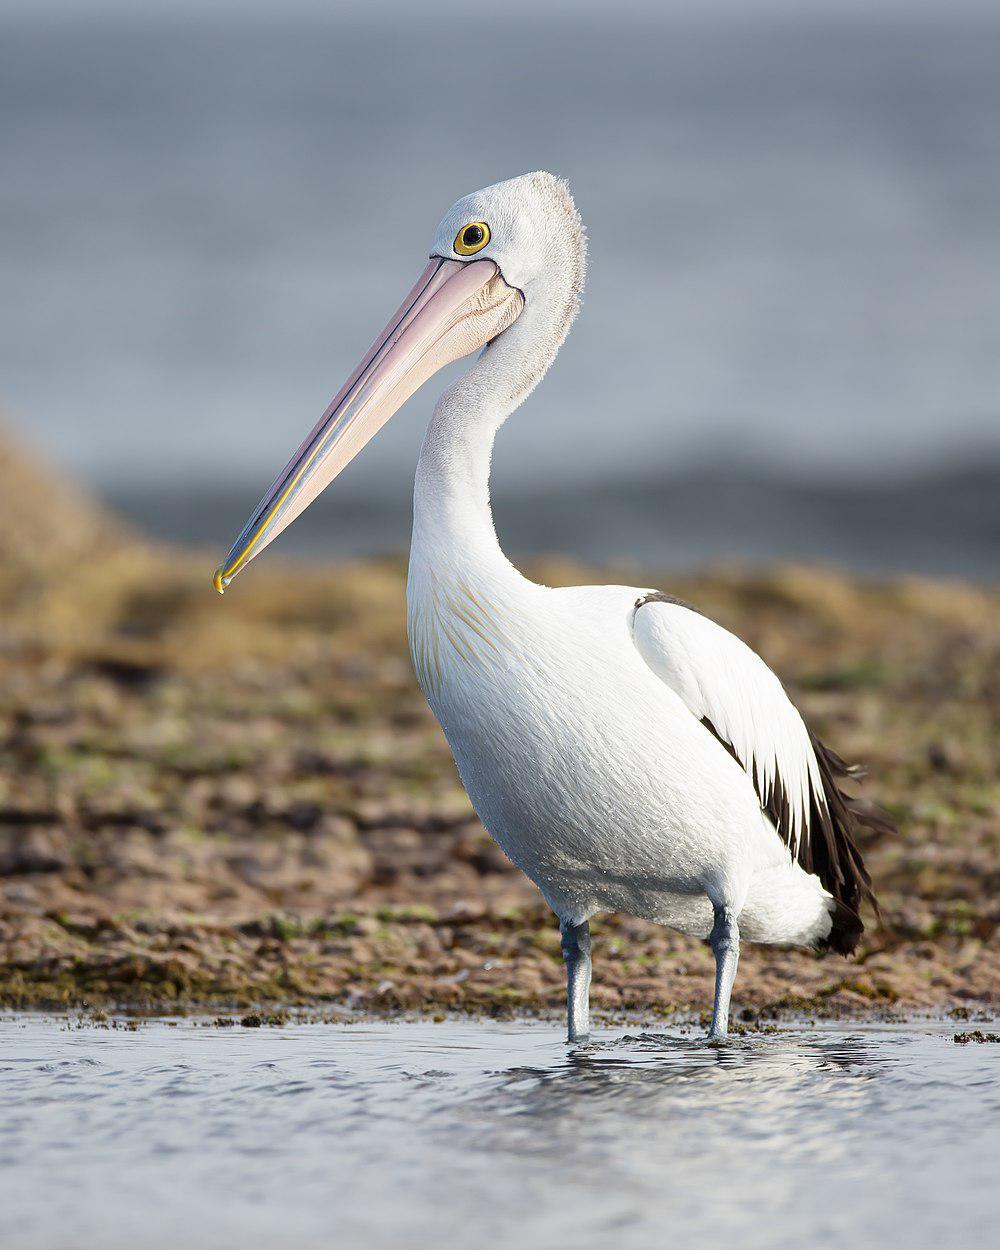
245,801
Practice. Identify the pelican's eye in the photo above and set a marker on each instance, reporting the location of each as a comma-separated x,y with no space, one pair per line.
472,238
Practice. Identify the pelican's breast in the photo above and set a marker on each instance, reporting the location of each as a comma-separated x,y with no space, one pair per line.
452,631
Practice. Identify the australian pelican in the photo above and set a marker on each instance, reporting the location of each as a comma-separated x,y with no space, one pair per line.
627,753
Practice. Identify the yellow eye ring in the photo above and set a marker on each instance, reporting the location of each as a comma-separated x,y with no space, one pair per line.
472,238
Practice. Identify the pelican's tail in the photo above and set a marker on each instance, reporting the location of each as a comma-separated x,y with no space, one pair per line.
786,904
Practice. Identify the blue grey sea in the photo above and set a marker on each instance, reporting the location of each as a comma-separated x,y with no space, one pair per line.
789,343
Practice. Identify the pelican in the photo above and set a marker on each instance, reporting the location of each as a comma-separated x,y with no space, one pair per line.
627,753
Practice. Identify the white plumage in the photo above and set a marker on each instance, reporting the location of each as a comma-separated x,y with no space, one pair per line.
721,681
627,753
592,772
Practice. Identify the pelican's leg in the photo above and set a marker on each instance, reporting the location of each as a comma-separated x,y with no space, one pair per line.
725,939
576,952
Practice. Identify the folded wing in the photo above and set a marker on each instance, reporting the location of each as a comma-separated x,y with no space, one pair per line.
737,698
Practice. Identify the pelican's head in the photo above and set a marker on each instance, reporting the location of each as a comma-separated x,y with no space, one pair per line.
528,227
514,245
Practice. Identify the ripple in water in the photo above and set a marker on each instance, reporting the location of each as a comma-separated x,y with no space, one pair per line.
483,1133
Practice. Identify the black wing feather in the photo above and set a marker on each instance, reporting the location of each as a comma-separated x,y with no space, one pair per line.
828,846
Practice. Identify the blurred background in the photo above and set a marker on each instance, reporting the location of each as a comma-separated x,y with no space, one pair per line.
208,208
792,318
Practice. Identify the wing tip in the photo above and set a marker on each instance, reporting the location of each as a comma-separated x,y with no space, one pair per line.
844,873
846,928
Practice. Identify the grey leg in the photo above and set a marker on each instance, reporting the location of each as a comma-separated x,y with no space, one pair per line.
725,939
576,952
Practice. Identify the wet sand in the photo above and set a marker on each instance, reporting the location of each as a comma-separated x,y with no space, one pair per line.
245,801
248,801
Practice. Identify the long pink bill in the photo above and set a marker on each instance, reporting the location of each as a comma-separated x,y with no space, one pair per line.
455,308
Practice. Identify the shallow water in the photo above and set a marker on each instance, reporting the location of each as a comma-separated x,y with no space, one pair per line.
471,1133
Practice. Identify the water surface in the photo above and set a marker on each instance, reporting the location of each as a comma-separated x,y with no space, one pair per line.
494,1134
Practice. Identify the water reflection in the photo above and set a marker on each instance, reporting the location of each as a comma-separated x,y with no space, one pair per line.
653,1065
651,1090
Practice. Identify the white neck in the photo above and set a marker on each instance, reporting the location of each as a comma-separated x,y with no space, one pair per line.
452,518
